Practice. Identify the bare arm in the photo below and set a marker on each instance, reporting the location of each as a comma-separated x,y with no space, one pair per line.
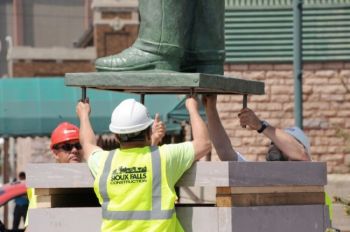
86,135
201,141
217,132
291,148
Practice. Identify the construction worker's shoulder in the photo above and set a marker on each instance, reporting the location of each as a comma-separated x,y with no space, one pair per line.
178,149
96,159
180,155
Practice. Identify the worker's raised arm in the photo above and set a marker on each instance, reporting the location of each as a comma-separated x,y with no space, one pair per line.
201,141
291,146
217,132
86,135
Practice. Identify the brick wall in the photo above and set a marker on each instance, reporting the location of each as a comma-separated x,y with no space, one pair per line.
108,40
326,111
50,68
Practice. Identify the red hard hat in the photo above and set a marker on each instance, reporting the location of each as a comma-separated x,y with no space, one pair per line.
64,132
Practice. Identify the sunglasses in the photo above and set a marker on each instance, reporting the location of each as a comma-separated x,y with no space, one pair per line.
69,146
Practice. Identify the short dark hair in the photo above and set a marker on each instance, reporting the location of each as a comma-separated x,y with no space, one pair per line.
134,137
22,175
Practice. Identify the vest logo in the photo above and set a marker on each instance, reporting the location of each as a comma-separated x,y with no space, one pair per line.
132,175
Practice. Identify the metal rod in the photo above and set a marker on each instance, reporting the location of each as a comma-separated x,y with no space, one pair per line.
245,100
192,92
297,62
83,93
142,98
245,103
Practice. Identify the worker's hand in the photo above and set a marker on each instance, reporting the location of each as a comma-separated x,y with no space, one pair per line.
158,130
247,117
192,103
83,108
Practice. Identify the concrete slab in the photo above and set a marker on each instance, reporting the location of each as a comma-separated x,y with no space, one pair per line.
165,82
339,185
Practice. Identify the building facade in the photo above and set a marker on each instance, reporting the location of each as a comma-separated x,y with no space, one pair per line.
259,46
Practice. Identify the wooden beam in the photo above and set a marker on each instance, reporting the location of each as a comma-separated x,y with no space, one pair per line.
164,82
269,189
215,174
264,199
71,200
70,197
310,218
56,191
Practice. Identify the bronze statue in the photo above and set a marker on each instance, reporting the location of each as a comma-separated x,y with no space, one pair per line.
177,35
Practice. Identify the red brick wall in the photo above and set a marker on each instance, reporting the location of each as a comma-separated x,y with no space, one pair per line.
50,68
116,41
109,41
326,109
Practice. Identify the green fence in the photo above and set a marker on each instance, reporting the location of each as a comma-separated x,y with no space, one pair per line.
262,30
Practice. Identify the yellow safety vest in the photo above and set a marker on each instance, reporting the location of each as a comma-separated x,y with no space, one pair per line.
132,188
328,201
32,203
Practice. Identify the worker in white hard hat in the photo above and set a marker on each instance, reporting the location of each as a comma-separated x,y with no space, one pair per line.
135,184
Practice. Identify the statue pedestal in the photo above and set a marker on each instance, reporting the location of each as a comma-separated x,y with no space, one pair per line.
164,82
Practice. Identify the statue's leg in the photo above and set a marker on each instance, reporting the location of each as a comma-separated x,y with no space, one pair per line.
205,53
160,41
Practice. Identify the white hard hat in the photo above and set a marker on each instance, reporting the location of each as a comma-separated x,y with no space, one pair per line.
299,135
129,117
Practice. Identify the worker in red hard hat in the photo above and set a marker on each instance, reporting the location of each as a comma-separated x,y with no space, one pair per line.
65,144
66,148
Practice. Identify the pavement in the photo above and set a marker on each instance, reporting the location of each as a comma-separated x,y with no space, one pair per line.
339,185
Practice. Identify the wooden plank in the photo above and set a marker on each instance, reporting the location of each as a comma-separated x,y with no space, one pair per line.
54,191
264,199
269,189
87,199
43,202
308,218
215,174
164,82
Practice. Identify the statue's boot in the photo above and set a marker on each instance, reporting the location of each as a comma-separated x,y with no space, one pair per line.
160,43
205,45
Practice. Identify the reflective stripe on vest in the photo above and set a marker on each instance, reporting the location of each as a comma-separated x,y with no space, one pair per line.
156,212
